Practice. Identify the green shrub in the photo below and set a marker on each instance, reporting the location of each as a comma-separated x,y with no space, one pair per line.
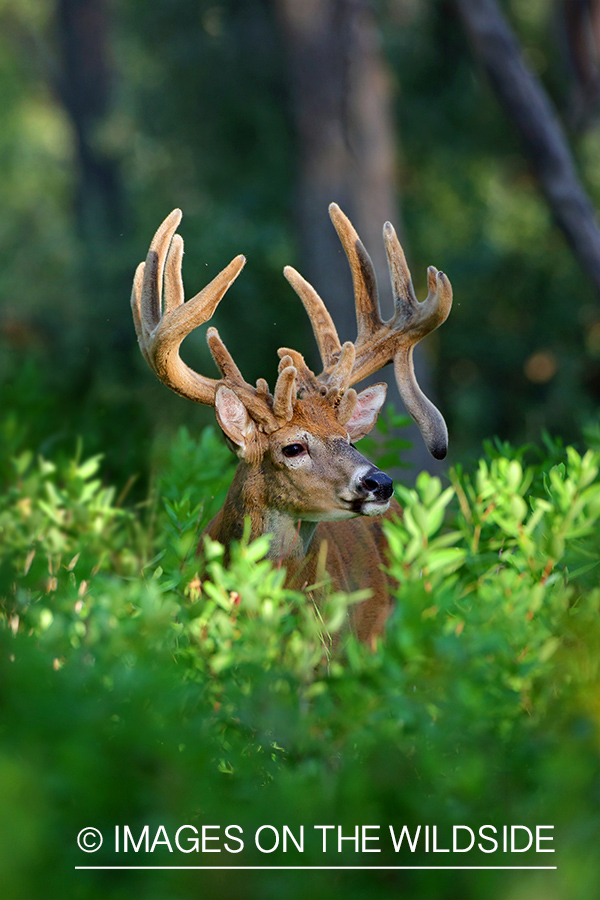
143,684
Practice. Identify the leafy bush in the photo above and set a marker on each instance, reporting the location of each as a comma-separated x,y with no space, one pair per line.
142,684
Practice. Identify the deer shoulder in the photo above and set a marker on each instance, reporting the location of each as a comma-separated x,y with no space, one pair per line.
299,476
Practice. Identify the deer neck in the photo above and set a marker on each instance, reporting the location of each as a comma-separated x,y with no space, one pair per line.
248,499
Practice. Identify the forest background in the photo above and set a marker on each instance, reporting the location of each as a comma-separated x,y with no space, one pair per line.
252,117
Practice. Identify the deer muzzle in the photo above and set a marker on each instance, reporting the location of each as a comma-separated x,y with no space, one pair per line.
371,492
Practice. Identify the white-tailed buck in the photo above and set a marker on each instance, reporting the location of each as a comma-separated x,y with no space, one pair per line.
299,476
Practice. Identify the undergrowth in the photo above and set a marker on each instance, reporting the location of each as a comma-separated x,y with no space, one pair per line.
143,683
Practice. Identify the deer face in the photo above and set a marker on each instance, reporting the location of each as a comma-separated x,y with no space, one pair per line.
309,468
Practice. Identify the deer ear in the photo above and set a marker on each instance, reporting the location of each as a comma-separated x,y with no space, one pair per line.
368,405
234,420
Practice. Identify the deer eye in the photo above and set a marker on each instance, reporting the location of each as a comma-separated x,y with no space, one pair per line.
293,450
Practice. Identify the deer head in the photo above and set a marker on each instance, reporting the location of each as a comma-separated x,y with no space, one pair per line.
300,436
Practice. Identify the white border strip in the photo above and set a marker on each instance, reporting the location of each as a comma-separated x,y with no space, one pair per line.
331,868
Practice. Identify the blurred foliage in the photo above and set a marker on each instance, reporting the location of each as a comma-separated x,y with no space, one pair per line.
142,684
199,115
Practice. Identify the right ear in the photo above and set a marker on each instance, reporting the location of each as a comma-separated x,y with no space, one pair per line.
234,420
368,404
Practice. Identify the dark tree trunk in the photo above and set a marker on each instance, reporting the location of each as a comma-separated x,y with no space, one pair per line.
581,31
340,92
84,86
83,81
346,151
527,105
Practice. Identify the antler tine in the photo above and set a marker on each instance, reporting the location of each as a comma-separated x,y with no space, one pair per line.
223,358
159,332
306,380
151,299
340,378
427,416
146,296
379,342
257,400
411,322
136,296
418,318
174,294
285,390
323,328
368,315
347,406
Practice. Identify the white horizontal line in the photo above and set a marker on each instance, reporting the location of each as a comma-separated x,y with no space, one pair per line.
333,868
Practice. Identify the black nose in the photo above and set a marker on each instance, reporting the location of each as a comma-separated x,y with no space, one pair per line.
379,484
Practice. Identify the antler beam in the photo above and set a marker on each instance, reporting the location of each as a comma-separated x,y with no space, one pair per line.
163,319
160,331
380,342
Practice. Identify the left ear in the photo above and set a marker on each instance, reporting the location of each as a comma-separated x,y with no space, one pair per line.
235,422
368,405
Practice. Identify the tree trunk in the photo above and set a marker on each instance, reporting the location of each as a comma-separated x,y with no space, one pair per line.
84,88
580,21
527,105
346,151
340,92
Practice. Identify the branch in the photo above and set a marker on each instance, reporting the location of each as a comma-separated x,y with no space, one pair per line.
527,105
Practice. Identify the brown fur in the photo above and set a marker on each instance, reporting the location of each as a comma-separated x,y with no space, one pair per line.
285,499
355,560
